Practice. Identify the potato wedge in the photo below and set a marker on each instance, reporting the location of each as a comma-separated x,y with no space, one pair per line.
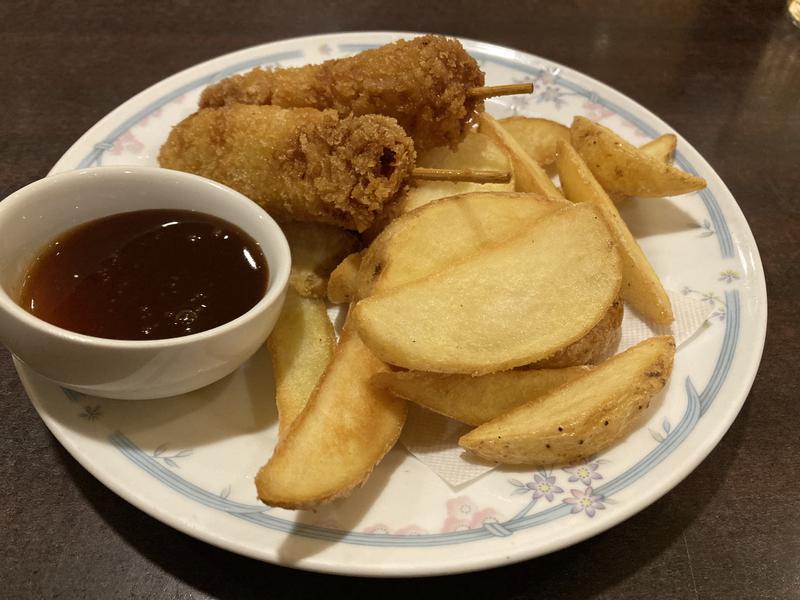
641,287
592,348
529,176
508,305
476,151
621,168
343,280
301,346
343,432
581,418
475,400
435,236
447,231
316,250
537,137
662,148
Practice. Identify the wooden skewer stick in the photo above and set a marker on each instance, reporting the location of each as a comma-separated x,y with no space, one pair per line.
490,91
468,175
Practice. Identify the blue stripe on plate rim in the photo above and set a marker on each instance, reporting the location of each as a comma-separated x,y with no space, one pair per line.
697,403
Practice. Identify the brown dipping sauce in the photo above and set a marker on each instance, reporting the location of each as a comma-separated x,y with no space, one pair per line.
146,275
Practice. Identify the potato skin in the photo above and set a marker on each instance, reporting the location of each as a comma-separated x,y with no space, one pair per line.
622,168
582,418
662,148
591,348
475,400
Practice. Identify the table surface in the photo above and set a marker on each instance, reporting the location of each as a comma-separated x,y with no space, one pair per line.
724,74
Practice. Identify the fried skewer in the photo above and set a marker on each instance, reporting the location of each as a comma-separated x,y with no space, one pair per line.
303,164
424,83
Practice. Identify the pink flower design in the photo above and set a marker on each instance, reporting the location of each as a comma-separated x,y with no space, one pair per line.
461,507
453,524
487,515
127,142
381,528
410,530
597,112
463,514
155,114
179,99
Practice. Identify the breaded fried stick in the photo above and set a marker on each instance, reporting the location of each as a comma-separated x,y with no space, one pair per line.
299,164
423,83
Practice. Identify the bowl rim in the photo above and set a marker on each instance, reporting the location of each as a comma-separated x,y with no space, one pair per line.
278,277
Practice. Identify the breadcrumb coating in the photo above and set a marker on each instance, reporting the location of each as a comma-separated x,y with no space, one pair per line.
421,82
299,164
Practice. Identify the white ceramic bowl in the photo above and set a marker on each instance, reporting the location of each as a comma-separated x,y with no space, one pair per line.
39,212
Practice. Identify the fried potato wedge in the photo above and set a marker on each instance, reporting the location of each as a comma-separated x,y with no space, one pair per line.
435,236
505,306
316,250
592,348
476,151
448,230
621,168
343,432
301,346
475,400
581,418
537,137
641,287
343,280
528,175
662,148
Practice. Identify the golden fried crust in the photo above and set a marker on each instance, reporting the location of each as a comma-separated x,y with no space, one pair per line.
299,164
422,83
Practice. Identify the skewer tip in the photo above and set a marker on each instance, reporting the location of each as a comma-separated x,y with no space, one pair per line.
490,91
462,175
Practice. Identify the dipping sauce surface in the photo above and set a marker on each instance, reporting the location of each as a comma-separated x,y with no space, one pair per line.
146,275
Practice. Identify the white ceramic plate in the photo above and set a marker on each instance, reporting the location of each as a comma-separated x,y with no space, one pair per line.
190,461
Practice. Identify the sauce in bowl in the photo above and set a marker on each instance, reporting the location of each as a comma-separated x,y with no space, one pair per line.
146,275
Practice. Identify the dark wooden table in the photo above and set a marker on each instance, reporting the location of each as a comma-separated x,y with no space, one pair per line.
724,74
